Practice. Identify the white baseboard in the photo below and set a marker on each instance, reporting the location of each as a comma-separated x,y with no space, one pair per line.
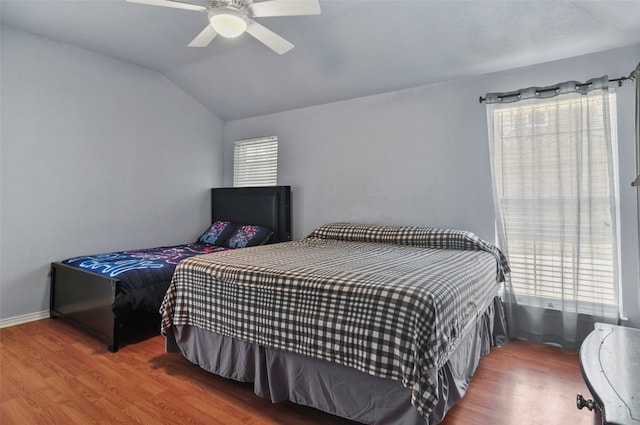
25,318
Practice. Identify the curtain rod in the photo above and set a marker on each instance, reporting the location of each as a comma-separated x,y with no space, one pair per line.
613,80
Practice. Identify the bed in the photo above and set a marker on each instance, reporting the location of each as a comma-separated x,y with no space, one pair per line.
106,293
377,324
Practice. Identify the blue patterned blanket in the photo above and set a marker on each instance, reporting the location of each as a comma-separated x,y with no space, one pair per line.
144,274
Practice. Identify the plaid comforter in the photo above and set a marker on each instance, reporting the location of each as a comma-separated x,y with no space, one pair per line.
389,301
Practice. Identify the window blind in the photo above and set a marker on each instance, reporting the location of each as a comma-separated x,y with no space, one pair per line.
556,187
255,162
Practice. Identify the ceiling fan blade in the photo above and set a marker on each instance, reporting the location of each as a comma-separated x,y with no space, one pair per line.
285,8
204,38
168,3
269,38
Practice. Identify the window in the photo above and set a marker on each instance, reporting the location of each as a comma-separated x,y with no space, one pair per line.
255,162
554,163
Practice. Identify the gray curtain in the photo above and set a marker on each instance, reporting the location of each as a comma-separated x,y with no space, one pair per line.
635,75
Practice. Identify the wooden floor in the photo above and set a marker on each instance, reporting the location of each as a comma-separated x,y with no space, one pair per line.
52,373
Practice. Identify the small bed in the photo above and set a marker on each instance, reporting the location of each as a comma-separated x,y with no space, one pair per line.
378,324
106,293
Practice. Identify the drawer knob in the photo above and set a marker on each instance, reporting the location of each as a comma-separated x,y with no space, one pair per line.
582,402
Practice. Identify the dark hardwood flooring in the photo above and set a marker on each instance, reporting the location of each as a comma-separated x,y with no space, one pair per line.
53,373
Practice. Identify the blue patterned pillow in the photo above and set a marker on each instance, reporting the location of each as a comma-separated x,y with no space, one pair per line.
248,235
218,233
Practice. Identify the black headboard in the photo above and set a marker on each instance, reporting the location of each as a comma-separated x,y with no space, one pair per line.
263,206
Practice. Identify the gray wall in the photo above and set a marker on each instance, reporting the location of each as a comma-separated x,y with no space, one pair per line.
96,155
420,156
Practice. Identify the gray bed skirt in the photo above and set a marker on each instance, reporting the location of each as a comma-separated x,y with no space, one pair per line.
278,375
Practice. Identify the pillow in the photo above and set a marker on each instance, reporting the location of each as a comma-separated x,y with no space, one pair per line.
248,235
218,233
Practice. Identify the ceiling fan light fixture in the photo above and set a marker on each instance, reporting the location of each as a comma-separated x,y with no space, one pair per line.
229,22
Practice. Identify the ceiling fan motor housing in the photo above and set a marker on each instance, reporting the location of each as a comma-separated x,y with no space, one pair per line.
241,5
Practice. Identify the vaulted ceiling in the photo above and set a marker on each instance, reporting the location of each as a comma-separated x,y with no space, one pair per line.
353,48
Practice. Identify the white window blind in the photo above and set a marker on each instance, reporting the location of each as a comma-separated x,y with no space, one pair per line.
555,176
255,162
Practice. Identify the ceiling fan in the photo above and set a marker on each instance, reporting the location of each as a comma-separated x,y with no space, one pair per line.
231,18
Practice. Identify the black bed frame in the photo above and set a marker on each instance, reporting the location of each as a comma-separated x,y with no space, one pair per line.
85,298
